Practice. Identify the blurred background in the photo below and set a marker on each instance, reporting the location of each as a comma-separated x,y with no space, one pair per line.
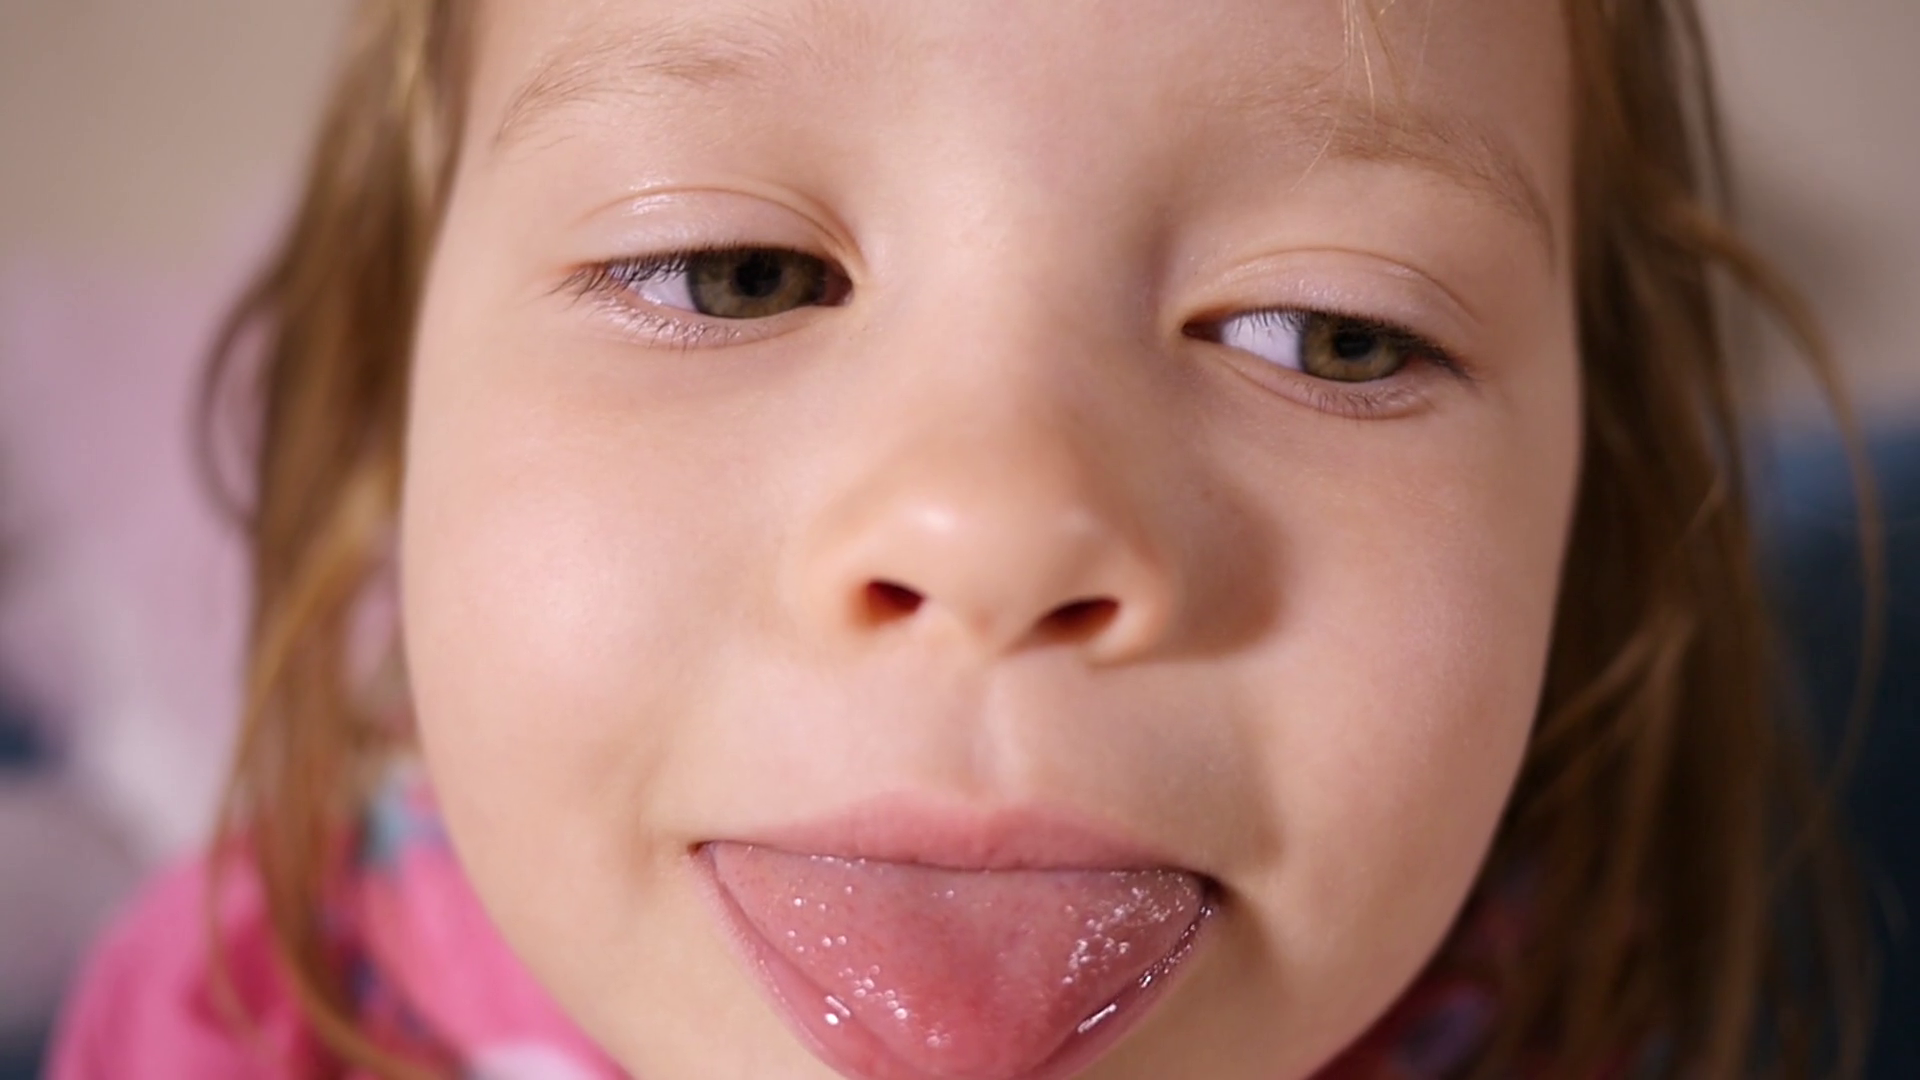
147,150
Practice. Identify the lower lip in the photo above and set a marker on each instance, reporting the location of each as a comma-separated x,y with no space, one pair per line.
854,1053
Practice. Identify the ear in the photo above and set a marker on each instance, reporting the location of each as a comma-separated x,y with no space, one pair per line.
375,660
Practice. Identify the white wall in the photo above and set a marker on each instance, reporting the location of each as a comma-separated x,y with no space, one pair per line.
1822,107
146,150
133,127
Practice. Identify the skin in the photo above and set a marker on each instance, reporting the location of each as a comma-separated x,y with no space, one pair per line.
637,557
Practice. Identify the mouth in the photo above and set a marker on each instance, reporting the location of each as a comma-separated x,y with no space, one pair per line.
903,945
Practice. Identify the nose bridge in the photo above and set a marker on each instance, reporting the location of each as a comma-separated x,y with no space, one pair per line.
993,497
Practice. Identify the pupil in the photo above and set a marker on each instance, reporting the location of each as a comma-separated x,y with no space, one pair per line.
1353,344
758,276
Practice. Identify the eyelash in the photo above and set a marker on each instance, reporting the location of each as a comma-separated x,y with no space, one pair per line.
611,284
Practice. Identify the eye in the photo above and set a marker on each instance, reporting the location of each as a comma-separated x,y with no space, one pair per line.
1337,348
732,283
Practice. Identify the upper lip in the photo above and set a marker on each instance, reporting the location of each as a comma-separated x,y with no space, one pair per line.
904,829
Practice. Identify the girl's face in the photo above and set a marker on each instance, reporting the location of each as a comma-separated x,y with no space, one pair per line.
1120,435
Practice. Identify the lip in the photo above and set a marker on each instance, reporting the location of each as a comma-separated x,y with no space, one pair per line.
902,829
905,830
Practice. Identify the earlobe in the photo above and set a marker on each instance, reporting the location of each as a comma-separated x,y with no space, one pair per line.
375,660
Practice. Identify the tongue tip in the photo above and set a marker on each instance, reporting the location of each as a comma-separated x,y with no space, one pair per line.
959,975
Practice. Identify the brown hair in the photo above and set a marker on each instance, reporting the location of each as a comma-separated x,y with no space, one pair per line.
1666,818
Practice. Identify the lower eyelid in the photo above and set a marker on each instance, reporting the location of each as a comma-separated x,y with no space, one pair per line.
655,324
1388,397
1398,394
1402,393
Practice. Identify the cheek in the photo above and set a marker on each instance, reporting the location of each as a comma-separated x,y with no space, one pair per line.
574,542
1425,670
1410,715
568,563
569,572
562,604
1397,691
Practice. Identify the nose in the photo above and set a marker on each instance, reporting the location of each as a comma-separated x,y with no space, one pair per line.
1002,521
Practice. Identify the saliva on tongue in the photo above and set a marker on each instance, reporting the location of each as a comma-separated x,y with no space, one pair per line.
962,974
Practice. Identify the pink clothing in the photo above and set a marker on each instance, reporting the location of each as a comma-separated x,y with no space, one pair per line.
428,969
145,1007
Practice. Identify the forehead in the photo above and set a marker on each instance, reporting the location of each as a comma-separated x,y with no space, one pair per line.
1472,90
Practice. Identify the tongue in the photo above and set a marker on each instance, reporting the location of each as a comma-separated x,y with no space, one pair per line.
963,974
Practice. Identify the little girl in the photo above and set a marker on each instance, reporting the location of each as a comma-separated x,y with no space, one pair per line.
997,540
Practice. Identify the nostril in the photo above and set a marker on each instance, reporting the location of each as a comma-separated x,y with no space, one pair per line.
886,602
1078,620
882,603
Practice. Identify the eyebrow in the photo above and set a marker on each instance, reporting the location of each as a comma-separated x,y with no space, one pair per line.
751,50
766,52
1334,124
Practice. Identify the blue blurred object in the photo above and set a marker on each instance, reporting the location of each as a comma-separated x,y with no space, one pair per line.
23,1063
1808,509
20,746
21,750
